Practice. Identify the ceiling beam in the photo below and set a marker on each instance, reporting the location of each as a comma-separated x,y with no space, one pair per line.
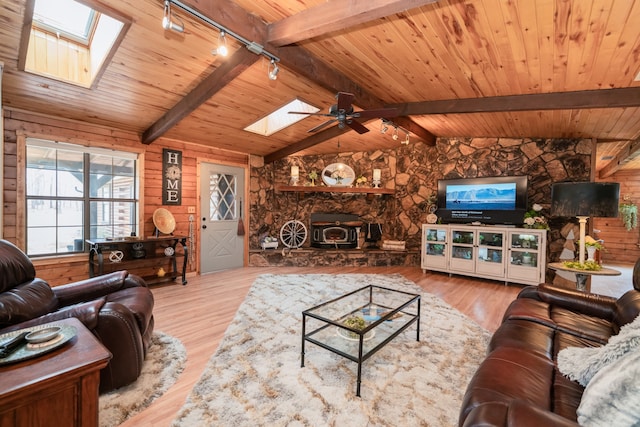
222,76
605,98
629,153
310,141
334,15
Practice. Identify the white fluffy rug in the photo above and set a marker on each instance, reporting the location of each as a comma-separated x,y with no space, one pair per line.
165,361
255,378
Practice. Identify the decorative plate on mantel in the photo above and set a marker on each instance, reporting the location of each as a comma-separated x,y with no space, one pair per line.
338,175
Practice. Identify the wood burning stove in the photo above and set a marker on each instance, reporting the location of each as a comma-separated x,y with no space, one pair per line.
334,230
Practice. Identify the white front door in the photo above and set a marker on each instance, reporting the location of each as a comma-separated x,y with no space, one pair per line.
222,189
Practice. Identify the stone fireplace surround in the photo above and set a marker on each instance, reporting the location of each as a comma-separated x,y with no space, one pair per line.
412,172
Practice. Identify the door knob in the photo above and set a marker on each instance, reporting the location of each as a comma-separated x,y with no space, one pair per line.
204,226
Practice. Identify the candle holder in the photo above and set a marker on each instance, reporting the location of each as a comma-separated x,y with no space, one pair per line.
376,178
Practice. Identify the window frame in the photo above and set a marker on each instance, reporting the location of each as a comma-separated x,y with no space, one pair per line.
87,149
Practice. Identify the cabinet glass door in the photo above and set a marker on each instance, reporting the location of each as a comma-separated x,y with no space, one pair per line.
462,253
524,249
490,253
435,241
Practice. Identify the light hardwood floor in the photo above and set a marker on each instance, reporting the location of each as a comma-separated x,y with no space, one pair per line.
199,313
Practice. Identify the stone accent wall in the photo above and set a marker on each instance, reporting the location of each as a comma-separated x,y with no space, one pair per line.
413,172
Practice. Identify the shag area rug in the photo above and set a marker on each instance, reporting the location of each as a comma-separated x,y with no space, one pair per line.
166,357
255,378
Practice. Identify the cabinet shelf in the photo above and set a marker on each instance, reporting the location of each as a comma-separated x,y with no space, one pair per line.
304,189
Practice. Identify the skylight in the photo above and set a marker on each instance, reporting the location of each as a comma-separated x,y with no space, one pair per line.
65,17
281,118
70,41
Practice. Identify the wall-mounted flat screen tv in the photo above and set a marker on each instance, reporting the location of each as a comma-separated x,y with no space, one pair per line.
488,200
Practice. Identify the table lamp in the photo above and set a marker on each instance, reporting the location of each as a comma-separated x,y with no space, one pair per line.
582,200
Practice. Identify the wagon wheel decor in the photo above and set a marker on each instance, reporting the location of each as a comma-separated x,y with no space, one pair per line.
293,234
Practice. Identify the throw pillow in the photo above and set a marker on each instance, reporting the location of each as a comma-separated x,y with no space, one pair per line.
612,397
582,363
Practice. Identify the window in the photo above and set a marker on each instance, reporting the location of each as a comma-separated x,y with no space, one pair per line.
75,193
67,18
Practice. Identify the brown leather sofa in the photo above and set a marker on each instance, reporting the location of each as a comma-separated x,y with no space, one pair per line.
518,383
117,308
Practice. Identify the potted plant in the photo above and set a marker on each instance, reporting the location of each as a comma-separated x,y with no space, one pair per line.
629,213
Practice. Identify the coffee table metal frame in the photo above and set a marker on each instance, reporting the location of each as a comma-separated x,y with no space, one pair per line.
391,319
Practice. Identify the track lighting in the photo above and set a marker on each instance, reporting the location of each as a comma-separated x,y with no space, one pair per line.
273,69
395,134
406,140
383,126
222,46
167,19
168,24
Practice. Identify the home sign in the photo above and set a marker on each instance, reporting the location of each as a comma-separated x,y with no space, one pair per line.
171,177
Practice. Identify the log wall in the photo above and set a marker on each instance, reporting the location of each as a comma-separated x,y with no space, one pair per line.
64,269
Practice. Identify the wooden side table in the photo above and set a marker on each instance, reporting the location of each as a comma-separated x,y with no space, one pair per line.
58,388
582,275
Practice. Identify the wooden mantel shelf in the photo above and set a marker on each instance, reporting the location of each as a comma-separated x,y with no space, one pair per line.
369,191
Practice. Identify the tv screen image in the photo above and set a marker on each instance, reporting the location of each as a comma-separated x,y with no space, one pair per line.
481,196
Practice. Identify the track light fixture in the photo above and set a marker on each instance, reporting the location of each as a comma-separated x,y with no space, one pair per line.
222,46
168,24
384,127
167,19
273,70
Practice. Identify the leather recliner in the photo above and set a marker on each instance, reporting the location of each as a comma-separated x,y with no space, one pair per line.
117,308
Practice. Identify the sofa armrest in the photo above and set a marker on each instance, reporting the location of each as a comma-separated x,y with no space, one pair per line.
96,287
86,312
517,413
601,306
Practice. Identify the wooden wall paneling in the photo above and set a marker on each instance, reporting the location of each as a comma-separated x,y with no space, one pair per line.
621,246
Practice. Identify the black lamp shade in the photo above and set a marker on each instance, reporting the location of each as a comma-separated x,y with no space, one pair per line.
593,199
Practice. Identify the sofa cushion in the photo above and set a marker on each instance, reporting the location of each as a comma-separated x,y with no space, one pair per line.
510,373
530,336
612,397
582,363
26,301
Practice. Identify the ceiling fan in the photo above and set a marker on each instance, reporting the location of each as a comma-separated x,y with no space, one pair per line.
343,113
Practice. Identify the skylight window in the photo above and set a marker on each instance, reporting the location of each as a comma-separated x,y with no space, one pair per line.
281,118
66,18
70,41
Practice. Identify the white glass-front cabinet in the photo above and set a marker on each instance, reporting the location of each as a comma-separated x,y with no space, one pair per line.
511,254
435,252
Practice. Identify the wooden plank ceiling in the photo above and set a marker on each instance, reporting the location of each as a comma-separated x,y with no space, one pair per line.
453,68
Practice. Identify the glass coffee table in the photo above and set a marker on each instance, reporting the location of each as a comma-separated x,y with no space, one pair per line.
358,324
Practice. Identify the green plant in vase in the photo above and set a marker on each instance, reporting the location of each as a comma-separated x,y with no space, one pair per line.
313,175
629,213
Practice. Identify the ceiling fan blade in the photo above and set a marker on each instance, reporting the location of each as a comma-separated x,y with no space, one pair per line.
382,112
357,126
322,126
344,100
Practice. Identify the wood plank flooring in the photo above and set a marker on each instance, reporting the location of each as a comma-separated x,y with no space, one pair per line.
199,313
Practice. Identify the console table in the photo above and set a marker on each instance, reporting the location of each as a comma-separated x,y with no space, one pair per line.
58,388
152,258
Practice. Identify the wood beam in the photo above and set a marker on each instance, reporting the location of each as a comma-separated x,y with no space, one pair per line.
624,156
605,98
334,15
308,142
222,76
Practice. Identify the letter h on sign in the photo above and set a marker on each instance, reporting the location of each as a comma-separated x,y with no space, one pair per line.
171,177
